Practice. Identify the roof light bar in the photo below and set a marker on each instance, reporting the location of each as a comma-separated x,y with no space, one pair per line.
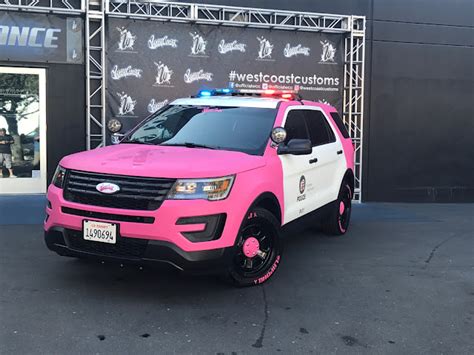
282,94
214,92
204,93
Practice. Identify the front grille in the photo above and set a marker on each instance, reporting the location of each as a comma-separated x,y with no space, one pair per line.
136,193
130,248
108,216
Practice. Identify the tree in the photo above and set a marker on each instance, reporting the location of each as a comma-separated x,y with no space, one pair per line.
17,92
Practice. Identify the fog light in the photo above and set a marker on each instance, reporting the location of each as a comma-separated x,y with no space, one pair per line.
212,231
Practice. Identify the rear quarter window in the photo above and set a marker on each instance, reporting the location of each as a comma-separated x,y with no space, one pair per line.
340,125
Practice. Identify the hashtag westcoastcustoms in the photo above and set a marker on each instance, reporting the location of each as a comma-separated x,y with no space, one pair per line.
292,79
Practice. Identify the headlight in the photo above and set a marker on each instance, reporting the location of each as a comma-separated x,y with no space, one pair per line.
58,177
207,189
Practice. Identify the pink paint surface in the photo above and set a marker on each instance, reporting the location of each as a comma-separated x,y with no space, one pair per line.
341,208
161,161
251,247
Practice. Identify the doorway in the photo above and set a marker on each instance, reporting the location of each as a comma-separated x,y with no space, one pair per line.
22,130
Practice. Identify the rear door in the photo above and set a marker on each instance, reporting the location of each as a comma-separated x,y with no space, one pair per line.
327,157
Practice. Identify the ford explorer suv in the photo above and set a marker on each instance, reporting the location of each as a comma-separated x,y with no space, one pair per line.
205,184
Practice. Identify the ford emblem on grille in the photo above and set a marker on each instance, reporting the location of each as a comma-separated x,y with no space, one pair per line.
107,188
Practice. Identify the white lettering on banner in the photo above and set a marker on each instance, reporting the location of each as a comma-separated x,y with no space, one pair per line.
163,74
289,51
224,47
118,73
154,105
165,41
127,39
127,104
199,44
266,48
28,36
329,52
190,77
292,79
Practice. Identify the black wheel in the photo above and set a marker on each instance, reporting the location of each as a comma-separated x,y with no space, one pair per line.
258,249
337,221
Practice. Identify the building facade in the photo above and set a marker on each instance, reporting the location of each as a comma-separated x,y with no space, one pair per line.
418,93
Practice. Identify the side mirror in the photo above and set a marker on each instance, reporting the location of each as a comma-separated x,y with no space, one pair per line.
296,147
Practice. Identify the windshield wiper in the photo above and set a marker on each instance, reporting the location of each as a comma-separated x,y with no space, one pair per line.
190,145
136,142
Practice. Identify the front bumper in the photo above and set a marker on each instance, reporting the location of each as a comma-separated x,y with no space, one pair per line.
69,242
173,222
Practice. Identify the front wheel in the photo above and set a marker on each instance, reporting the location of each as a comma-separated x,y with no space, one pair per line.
258,249
337,221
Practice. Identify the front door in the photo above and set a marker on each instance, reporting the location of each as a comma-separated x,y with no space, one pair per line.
22,130
297,169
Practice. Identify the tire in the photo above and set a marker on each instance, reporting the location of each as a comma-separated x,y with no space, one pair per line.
339,216
258,249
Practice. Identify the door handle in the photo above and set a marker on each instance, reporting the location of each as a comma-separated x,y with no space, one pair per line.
339,152
313,161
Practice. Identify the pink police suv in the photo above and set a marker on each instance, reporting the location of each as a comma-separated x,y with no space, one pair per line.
205,184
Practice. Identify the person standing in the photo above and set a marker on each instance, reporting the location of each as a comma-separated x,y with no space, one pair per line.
6,152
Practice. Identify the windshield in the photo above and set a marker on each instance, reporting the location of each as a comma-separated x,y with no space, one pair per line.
243,129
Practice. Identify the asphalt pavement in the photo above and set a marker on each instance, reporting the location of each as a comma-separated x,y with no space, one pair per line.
400,282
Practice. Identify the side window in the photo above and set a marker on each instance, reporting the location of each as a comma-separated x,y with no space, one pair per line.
342,127
319,129
295,125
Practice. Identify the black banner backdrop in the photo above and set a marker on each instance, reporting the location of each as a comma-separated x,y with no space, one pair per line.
151,63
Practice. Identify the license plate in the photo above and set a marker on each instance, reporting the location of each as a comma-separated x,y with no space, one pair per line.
100,232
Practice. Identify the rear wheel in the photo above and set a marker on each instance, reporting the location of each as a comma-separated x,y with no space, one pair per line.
258,249
337,221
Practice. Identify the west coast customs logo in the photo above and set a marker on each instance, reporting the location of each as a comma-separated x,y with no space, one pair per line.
127,105
290,51
154,105
165,41
190,77
198,48
302,187
329,53
163,75
126,41
265,50
226,47
118,73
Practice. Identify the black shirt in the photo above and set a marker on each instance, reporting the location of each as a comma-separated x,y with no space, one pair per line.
5,148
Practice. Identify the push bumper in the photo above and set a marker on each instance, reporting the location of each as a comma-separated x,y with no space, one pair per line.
69,242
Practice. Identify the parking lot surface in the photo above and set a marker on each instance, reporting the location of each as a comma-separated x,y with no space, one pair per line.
400,282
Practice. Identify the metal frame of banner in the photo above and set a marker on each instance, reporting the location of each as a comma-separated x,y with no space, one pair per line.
45,6
96,12
95,74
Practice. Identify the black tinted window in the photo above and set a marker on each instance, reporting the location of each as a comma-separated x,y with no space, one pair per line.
244,129
338,121
319,129
295,125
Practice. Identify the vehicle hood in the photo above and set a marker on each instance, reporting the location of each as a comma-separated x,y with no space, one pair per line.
161,161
